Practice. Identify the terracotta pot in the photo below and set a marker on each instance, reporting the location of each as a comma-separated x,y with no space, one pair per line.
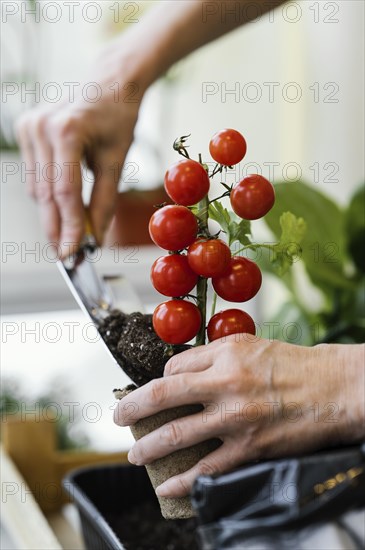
177,462
133,211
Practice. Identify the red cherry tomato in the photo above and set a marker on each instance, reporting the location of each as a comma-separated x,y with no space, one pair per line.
186,182
252,197
230,321
228,147
173,227
209,258
176,321
172,276
241,283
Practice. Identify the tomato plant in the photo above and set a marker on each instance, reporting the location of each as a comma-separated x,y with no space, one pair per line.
173,227
241,283
209,257
186,182
176,321
230,321
252,197
172,275
228,147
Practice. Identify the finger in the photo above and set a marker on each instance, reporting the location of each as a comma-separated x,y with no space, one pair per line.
67,194
196,359
43,187
178,434
107,169
219,461
161,394
25,143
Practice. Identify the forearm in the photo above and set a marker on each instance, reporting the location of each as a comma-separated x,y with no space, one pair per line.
172,30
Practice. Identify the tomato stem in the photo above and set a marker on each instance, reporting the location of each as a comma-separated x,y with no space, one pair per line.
254,247
214,303
225,194
202,282
217,168
180,147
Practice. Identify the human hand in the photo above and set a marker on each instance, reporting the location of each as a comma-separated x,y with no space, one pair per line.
101,132
98,132
262,398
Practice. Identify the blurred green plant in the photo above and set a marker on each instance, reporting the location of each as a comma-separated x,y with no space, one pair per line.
332,254
13,402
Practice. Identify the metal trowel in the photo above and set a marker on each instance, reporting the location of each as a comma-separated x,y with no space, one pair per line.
96,295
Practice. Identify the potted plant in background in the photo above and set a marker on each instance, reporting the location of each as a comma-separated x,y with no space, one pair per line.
332,258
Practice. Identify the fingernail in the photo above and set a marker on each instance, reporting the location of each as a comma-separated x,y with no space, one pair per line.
64,252
164,489
131,457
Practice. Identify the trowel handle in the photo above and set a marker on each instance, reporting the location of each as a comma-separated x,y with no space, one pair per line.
89,239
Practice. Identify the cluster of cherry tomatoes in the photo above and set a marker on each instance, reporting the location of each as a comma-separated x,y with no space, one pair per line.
192,255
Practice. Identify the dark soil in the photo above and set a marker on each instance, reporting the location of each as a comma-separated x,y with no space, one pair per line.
138,350
143,528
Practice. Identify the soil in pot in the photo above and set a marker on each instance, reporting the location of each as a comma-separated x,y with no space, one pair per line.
143,528
138,350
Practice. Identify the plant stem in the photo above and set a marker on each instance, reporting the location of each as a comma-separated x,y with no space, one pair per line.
217,168
214,303
254,247
225,194
202,282
183,152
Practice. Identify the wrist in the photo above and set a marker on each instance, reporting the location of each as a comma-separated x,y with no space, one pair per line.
122,67
344,385
350,361
328,384
142,54
135,66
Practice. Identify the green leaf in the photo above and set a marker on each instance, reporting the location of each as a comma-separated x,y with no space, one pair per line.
292,228
235,228
323,246
239,231
355,228
194,209
220,215
287,250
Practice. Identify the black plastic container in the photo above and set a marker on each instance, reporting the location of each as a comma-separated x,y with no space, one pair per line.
99,492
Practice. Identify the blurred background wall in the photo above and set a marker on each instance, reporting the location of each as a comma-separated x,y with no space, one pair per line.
292,82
